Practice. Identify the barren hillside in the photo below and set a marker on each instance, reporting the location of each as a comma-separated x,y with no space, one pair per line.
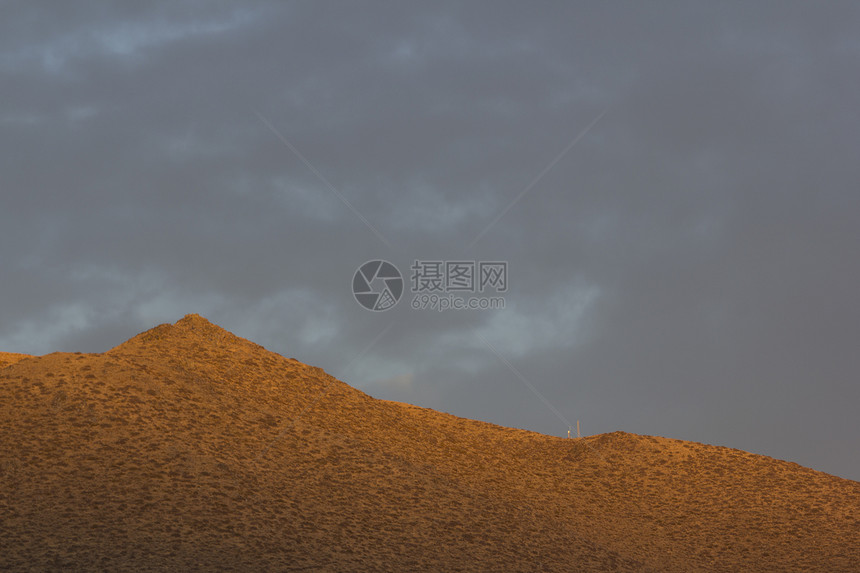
188,448
7,358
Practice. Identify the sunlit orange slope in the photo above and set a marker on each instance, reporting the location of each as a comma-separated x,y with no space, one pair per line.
7,358
188,448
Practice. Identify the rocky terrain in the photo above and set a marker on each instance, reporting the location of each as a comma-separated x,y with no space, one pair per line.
187,448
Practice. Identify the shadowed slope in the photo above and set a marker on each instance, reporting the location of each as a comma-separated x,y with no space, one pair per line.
188,447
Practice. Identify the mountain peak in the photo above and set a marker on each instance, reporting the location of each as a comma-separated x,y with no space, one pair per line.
193,319
194,323
192,329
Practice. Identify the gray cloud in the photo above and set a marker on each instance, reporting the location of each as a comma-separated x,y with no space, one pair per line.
687,269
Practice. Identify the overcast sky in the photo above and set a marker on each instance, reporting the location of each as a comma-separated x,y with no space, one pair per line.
674,187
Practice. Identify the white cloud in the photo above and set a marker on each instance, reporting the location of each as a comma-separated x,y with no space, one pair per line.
425,208
38,335
123,39
520,329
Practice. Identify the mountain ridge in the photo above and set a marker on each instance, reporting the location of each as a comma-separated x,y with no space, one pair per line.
9,358
189,447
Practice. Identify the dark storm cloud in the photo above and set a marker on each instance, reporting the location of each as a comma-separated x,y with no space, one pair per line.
686,269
